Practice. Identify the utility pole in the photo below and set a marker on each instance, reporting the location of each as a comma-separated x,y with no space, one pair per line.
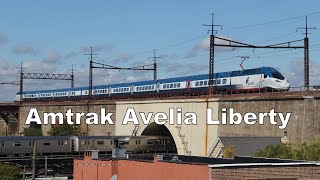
154,64
45,166
21,82
306,54
90,73
72,77
34,154
211,60
43,76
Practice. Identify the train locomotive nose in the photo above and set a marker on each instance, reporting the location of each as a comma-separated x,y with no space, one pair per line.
287,84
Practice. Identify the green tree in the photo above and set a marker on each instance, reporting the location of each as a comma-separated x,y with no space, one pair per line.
32,131
65,130
229,152
9,171
310,152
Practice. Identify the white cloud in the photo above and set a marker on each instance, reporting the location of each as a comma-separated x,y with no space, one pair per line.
122,58
52,57
296,73
3,39
97,48
204,45
23,49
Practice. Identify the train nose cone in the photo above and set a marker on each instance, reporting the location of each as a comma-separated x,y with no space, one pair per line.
287,84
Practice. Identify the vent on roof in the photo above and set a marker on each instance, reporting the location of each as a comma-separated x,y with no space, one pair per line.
175,159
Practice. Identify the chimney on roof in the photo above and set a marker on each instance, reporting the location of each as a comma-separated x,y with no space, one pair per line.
158,158
91,154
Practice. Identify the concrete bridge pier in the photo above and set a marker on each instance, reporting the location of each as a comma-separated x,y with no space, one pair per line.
10,125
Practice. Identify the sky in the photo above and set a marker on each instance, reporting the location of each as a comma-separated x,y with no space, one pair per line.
53,36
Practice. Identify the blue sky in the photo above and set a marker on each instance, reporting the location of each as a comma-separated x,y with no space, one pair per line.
50,36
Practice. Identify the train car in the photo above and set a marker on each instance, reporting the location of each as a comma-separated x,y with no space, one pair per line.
258,79
16,146
13,145
137,144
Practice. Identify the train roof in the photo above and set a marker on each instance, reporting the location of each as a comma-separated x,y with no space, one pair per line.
32,138
64,138
261,70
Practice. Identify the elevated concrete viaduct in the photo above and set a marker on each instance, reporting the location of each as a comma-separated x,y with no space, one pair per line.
303,125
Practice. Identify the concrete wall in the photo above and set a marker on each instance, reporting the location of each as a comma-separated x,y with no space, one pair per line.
303,126
199,138
9,125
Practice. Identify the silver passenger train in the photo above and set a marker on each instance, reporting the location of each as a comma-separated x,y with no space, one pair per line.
258,79
13,145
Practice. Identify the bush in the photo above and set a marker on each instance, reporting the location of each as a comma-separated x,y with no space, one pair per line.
9,171
310,152
65,130
32,132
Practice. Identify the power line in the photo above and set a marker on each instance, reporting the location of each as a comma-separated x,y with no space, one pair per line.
271,22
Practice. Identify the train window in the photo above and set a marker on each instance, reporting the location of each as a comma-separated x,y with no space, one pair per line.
276,74
178,85
100,142
175,86
150,142
205,83
214,82
197,83
46,143
16,143
164,86
219,81
224,81
171,85
201,83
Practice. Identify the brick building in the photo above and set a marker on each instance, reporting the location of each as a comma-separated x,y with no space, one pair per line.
92,167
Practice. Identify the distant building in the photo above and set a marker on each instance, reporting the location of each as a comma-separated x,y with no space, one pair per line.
243,146
92,167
